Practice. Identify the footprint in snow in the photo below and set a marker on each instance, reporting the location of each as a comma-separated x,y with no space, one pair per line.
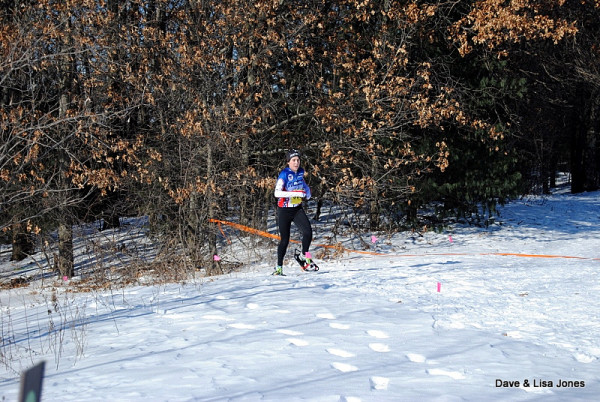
452,374
340,352
584,358
297,342
336,325
379,347
378,334
379,382
415,357
289,332
239,325
344,367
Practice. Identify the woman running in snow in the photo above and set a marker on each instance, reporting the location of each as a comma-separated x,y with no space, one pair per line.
291,189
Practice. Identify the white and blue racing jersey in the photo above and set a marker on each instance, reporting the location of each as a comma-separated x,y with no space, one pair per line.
291,188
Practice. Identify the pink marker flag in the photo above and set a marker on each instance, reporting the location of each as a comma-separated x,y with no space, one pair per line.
373,239
65,278
216,258
450,238
439,287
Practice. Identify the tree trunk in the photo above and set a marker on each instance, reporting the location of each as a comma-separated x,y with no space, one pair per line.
585,155
214,267
243,194
110,221
110,214
22,242
65,262
373,203
577,168
317,215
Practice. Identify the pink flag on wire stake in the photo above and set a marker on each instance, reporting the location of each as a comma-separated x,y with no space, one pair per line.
373,239
216,258
439,287
450,238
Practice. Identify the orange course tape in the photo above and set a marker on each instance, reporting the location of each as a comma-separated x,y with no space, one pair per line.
273,236
339,247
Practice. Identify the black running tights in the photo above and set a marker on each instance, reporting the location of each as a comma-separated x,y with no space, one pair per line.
286,217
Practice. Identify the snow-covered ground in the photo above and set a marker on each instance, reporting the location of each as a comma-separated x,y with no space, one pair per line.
509,312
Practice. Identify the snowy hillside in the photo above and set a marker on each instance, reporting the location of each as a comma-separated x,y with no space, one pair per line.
510,312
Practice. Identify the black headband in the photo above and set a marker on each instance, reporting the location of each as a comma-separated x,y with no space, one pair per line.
291,153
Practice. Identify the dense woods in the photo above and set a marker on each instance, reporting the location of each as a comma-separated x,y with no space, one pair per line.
406,112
